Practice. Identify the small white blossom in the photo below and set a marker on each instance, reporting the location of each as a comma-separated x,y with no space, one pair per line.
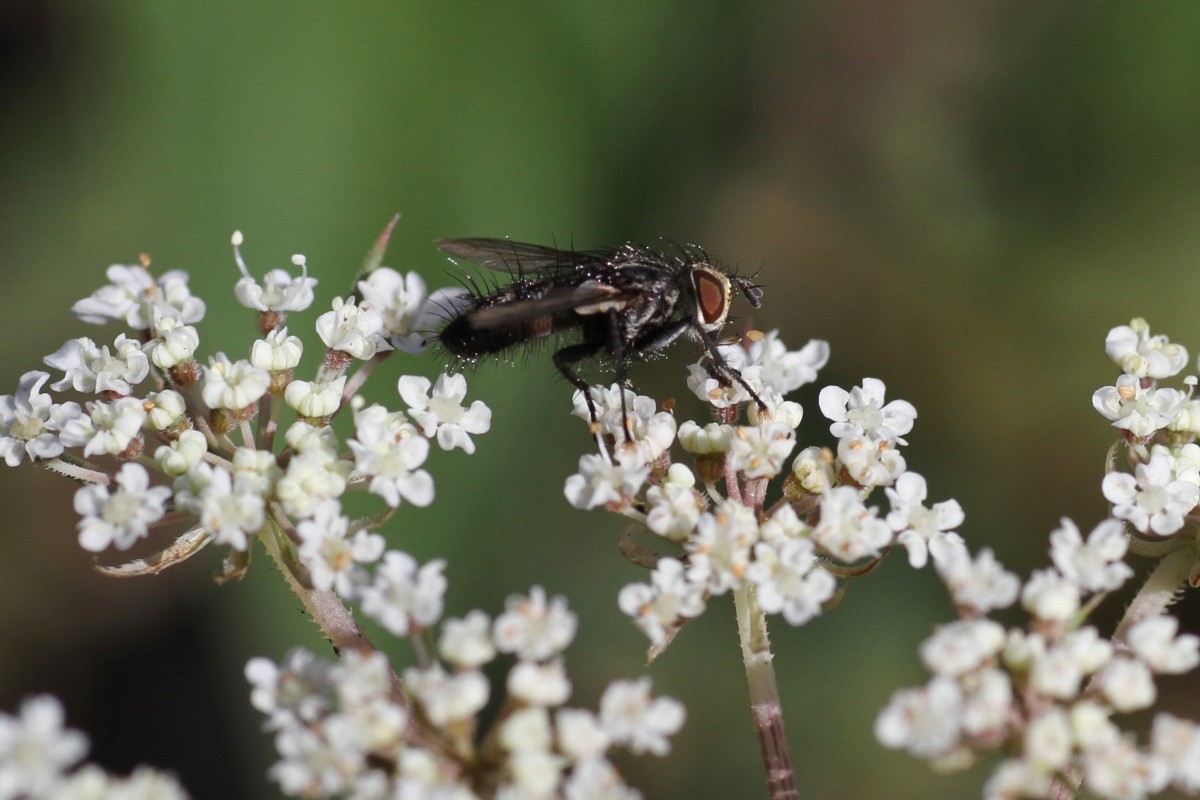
1015,778
981,584
1114,768
174,343
440,413
331,554
1137,353
922,530
534,628
279,292
848,530
229,512
36,749
30,421
312,475
668,598
278,352
121,517
870,461
760,451
1151,499
674,508
1057,672
91,369
1128,685
711,439
255,470
862,412
540,684
1139,409
108,428
355,330
299,688
725,393
721,548
165,409
596,779
631,718
601,482
988,701
963,646
135,297
315,399
789,580
1096,566
1050,596
1155,642
403,596
233,384
408,315
925,721
1048,741
580,734
1176,743
177,457
467,642
813,468
447,698
787,370
386,447
651,430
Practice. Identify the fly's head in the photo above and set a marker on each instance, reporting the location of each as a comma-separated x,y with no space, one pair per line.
712,291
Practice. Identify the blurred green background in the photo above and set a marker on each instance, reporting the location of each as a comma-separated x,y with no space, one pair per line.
961,198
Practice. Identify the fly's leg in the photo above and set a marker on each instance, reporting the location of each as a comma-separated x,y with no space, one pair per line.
720,369
572,354
616,346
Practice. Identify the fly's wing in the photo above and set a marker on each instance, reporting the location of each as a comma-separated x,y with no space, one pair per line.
589,297
522,259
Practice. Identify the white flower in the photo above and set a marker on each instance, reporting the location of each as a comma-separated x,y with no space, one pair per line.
787,370
1176,743
712,438
35,748
813,468
355,330
580,734
724,393
848,530
925,721
467,642
226,511
760,451
447,698
30,421
631,718
279,292
108,428
922,529
408,315
1154,641
534,629
233,385
1058,671
91,369
122,517
315,399
1151,499
988,703
404,596
601,482
331,555
595,778
297,689
177,457
862,412
312,475
668,598
1128,685
1050,596
1113,767
963,646
174,343
674,508
441,412
387,448
789,580
721,547
278,352
1137,353
1139,409
653,431
981,584
870,461
165,409
1095,566
541,684
135,297
1048,740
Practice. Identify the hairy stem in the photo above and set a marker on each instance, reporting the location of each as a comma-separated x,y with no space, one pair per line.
1160,590
764,695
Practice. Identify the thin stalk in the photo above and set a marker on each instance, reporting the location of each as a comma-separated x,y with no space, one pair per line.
1160,590
764,695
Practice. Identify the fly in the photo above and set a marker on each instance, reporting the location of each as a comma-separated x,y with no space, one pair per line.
630,301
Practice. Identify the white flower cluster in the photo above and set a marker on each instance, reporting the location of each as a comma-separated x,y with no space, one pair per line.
353,728
1160,426
1051,695
39,758
790,552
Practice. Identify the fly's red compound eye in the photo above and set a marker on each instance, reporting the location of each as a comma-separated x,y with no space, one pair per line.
712,296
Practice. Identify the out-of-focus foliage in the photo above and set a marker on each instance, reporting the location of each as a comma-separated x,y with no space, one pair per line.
961,198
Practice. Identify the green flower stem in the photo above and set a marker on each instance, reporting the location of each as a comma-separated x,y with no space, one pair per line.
764,695
1160,590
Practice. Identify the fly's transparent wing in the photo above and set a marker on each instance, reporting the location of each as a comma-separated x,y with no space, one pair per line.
520,258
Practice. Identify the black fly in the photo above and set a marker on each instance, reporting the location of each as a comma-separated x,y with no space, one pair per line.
630,301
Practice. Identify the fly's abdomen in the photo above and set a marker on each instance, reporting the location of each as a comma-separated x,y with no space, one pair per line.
500,321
